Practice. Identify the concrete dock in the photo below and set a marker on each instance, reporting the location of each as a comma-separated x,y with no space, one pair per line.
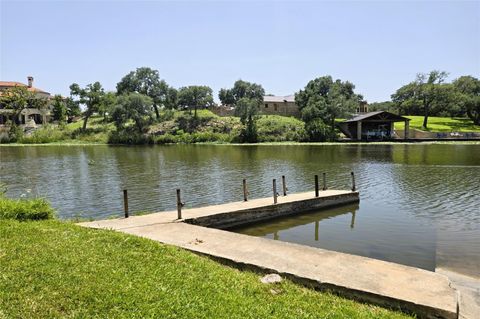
425,293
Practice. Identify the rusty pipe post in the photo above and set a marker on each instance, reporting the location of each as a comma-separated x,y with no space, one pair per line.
274,191
353,182
179,205
245,191
324,181
125,202
316,185
284,186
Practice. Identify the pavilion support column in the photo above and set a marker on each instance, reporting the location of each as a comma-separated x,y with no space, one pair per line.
392,129
359,130
407,129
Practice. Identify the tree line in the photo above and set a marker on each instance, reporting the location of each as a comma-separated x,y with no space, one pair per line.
141,95
430,95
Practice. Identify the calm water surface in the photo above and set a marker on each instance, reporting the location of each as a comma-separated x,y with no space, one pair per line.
419,204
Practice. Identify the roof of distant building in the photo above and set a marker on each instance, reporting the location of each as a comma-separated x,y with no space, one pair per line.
390,116
275,98
10,84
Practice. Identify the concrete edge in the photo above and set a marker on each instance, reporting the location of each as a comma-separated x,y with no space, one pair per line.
422,311
228,220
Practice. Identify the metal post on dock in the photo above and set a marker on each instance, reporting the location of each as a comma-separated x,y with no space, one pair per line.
353,182
125,202
284,186
245,191
179,205
316,185
274,191
324,181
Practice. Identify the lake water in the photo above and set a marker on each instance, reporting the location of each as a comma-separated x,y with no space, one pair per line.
419,203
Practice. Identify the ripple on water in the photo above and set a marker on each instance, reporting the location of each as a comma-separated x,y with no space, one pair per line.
416,200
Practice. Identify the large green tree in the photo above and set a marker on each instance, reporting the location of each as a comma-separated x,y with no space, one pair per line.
73,108
107,105
146,81
247,109
322,101
241,89
18,98
469,90
90,97
246,97
195,96
423,95
132,106
59,109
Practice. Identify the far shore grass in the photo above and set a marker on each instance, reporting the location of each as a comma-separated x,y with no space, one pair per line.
440,124
80,143
53,269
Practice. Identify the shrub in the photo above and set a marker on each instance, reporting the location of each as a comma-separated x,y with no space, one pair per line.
15,133
25,209
45,134
275,128
128,137
165,139
318,131
202,137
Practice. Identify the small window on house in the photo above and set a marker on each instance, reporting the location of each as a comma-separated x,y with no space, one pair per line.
266,105
275,107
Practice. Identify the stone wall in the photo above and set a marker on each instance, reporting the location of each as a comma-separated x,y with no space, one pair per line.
248,216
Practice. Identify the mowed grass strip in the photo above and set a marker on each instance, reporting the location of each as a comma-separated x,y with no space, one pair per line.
440,124
52,269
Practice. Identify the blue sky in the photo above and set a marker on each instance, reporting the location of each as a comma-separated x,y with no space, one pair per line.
379,46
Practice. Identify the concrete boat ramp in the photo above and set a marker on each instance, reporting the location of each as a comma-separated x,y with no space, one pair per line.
427,294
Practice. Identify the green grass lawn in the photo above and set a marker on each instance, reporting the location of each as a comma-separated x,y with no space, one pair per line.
52,269
441,124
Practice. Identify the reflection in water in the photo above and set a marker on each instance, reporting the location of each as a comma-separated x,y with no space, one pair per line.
419,202
345,229
274,228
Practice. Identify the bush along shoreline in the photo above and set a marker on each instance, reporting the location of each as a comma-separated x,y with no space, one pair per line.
182,127
174,127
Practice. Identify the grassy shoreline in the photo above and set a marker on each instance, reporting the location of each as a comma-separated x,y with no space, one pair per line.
81,143
58,269
208,128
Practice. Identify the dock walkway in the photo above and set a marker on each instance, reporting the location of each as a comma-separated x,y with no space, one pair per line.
425,293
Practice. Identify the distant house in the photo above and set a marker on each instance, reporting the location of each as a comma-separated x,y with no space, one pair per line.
28,114
272,104
373,126
280,105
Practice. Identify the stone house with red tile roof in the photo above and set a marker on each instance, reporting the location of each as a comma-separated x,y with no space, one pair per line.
28,114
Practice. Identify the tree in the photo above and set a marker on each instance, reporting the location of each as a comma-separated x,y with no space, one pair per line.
246,97
241,89
146,81
195,96
18,98
59,109
133,106
247,108
171,101
107,104
388,106
424,93
324,100
91,97
73,108
226,97
468,88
